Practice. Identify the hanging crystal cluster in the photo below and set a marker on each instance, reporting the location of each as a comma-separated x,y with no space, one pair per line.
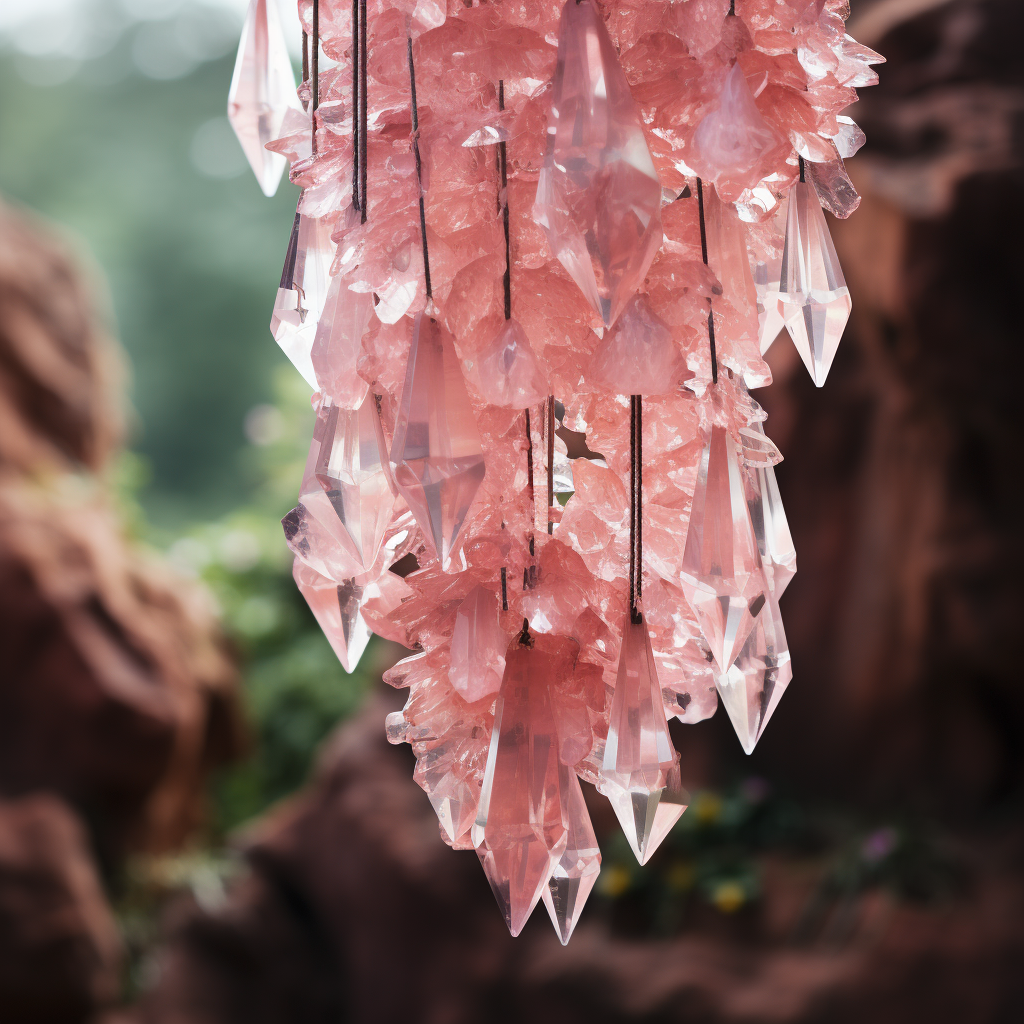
517,221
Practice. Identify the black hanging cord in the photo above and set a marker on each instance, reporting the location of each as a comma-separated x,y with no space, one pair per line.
503,165
356,200
305,56
504,589
362,108
636,501
704,255
800,160
419,170
314,61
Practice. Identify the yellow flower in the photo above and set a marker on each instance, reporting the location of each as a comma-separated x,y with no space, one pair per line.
614,881
728,897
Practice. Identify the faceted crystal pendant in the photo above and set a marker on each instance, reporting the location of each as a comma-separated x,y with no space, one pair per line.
757,679
771,527
598,197
337,343
262,91
813,297
303,291
436,455
766,284
336,607
638,755
346,467
520,830
478,646
722,575
576,871
447,772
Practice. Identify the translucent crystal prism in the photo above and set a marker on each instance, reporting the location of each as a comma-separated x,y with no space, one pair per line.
337,343
346,467
771,527
598,196
478,646
754,685
508,372
262,91
638,754
303,291
767,274
722,576
520,830
436,456
573,877
813,297
336,607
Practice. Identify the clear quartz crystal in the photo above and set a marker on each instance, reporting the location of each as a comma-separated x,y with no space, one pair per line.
767,273
262,91
771,527
521,831
598,197
303,290
478,646
722,576
436,456
638,755
576,872
336,607
813,298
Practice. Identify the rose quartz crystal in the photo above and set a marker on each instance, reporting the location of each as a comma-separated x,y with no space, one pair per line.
610,112
598,197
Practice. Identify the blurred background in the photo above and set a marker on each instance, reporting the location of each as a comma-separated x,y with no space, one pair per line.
200,821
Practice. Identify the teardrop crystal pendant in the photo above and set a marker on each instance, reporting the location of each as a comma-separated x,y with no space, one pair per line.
598,197
752,688
436,456
336,607
722,575
520,831
813,298
303,290
573,877
638,756
771,526
347,460
262,91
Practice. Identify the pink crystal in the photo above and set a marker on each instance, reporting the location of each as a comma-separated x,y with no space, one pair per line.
520,831
813,297
734,146
722,575
303,291
337,343
598,197
262,91
638,754
638,356
835,190
478,646
508,372
754,685
577,869
336,607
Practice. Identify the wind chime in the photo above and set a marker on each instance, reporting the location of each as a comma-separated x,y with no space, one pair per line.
523,219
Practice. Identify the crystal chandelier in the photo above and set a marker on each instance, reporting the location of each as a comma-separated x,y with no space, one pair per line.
517,221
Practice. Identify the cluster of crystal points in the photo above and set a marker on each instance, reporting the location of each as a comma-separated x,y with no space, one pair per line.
533,669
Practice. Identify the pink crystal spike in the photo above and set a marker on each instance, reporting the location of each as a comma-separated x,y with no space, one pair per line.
638,755
722,576
754,685
520,830
337,343
262,91
478,646
576,872
336,608
771,526
436,455
303,291
508,372
598,196
813,297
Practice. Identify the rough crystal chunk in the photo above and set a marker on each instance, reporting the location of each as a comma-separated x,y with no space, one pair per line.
336,607
478,646
436,456
262,91
598,196
638,754
508,372
722,576
576,872
813,297
520,830
303,291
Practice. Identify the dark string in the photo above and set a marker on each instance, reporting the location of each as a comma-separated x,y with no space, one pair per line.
504,589
551,461
503,165
800,160
362,109
732,7
636,500
314,60
305,56
419,170
356,201
704,255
